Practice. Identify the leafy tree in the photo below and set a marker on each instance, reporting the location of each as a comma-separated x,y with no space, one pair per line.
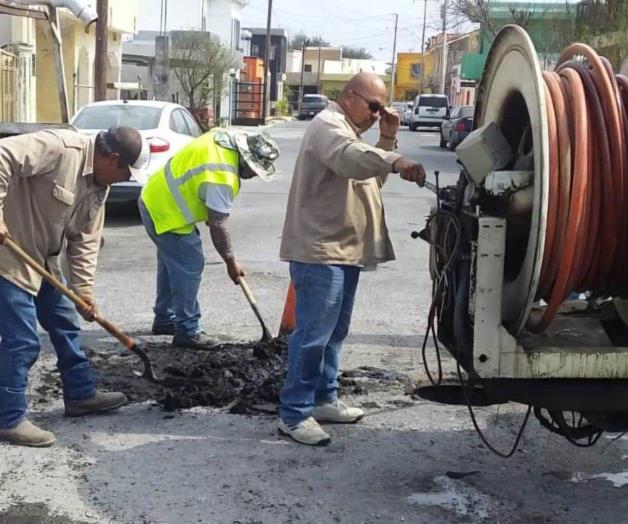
200,63
354,52
300,39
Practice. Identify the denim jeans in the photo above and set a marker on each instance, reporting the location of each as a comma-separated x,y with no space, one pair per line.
180,263
324,303
19,346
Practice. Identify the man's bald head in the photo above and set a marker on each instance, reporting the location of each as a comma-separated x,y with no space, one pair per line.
363,90
363,83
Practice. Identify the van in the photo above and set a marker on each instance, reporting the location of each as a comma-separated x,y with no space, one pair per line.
429,111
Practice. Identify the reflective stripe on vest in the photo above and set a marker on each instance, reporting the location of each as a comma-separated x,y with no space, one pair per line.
172,195
175,183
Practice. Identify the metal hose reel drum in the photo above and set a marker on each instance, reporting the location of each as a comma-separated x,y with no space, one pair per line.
512,95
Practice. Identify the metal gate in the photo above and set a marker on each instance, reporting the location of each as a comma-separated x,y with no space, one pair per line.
247,103
7,87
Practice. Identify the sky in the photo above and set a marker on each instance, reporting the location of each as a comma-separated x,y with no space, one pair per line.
355,23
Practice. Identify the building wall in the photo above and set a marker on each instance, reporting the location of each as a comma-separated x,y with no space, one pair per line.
408,77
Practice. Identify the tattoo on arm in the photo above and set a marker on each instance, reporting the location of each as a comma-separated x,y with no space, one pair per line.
219,232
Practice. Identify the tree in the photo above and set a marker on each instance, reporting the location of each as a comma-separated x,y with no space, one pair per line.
301,39
200,63
478,12
354,52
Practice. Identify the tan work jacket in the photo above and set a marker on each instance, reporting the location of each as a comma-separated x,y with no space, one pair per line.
335,213
48,193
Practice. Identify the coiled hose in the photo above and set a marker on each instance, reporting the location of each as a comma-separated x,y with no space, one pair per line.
586,244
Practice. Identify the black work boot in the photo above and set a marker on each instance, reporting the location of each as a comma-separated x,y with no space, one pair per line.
163,329
199,341
99,402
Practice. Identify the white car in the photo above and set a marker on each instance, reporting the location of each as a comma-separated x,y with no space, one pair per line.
429,111
167,127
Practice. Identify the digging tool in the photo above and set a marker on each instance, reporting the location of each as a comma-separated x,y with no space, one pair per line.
266,336
128,342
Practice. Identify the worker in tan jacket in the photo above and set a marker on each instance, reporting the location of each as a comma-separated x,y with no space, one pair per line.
334,227
53,186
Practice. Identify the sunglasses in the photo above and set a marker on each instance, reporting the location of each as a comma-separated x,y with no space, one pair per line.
374,107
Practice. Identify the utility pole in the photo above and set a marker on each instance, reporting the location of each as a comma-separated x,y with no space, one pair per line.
100,62
423,47
303,46
318,70
393,74
266,60
444,50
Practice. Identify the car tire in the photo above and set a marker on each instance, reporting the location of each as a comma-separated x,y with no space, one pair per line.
412,127
443,142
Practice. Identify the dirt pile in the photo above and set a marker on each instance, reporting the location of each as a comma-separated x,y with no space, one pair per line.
243,377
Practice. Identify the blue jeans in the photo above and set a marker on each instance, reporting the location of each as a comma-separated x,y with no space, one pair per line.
19,346
180,263
324,303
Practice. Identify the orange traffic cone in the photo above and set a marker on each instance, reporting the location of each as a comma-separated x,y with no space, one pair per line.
288,319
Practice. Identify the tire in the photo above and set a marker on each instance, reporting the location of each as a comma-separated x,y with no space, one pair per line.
443,142
412,127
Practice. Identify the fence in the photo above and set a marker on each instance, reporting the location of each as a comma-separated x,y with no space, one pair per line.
7,86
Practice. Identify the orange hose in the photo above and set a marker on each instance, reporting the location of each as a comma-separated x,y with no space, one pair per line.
586,243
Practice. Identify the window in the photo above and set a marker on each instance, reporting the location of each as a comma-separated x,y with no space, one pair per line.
177,123
433,101
308,68
105,116
255,50
415,70
191,123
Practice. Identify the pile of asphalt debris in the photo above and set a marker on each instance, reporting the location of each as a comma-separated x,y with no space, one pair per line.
244,378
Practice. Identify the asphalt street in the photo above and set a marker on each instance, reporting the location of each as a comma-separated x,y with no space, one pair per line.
408,461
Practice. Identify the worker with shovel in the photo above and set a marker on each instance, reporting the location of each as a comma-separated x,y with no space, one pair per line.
198,184
53,186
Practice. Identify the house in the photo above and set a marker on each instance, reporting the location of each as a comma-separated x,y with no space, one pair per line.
277,57
32,43
324,70
411,70
219,18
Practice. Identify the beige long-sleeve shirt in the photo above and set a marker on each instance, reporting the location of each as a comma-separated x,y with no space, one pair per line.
48,194
335,213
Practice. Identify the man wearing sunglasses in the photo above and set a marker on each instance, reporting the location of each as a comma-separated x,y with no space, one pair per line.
334,227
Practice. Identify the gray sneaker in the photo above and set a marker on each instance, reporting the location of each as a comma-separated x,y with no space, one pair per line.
338,413
307,431
100,402
27,434
199,341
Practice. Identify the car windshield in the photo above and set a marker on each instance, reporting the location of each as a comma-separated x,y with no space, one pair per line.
105,116
314,99
466,112
433,101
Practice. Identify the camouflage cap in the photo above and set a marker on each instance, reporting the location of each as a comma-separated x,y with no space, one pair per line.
259,151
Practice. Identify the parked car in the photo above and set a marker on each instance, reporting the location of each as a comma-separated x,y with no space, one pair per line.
455,129
167,128
311,105
429,111
402,109
407,114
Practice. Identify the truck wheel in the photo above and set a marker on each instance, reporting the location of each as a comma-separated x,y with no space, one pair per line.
443,142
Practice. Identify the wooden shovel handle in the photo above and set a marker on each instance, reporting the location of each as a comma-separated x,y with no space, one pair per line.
74,297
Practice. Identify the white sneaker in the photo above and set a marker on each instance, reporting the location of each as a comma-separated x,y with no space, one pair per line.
307,432
337,412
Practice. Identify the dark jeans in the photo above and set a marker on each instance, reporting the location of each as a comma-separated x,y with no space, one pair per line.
19,346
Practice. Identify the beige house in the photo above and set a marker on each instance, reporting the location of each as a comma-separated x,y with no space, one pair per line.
78,45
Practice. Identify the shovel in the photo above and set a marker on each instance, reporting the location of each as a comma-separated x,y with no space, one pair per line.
266,336
128,342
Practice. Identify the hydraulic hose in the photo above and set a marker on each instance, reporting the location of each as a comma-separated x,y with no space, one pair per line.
586,243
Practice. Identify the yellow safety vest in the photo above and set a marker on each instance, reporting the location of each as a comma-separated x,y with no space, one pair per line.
172,196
